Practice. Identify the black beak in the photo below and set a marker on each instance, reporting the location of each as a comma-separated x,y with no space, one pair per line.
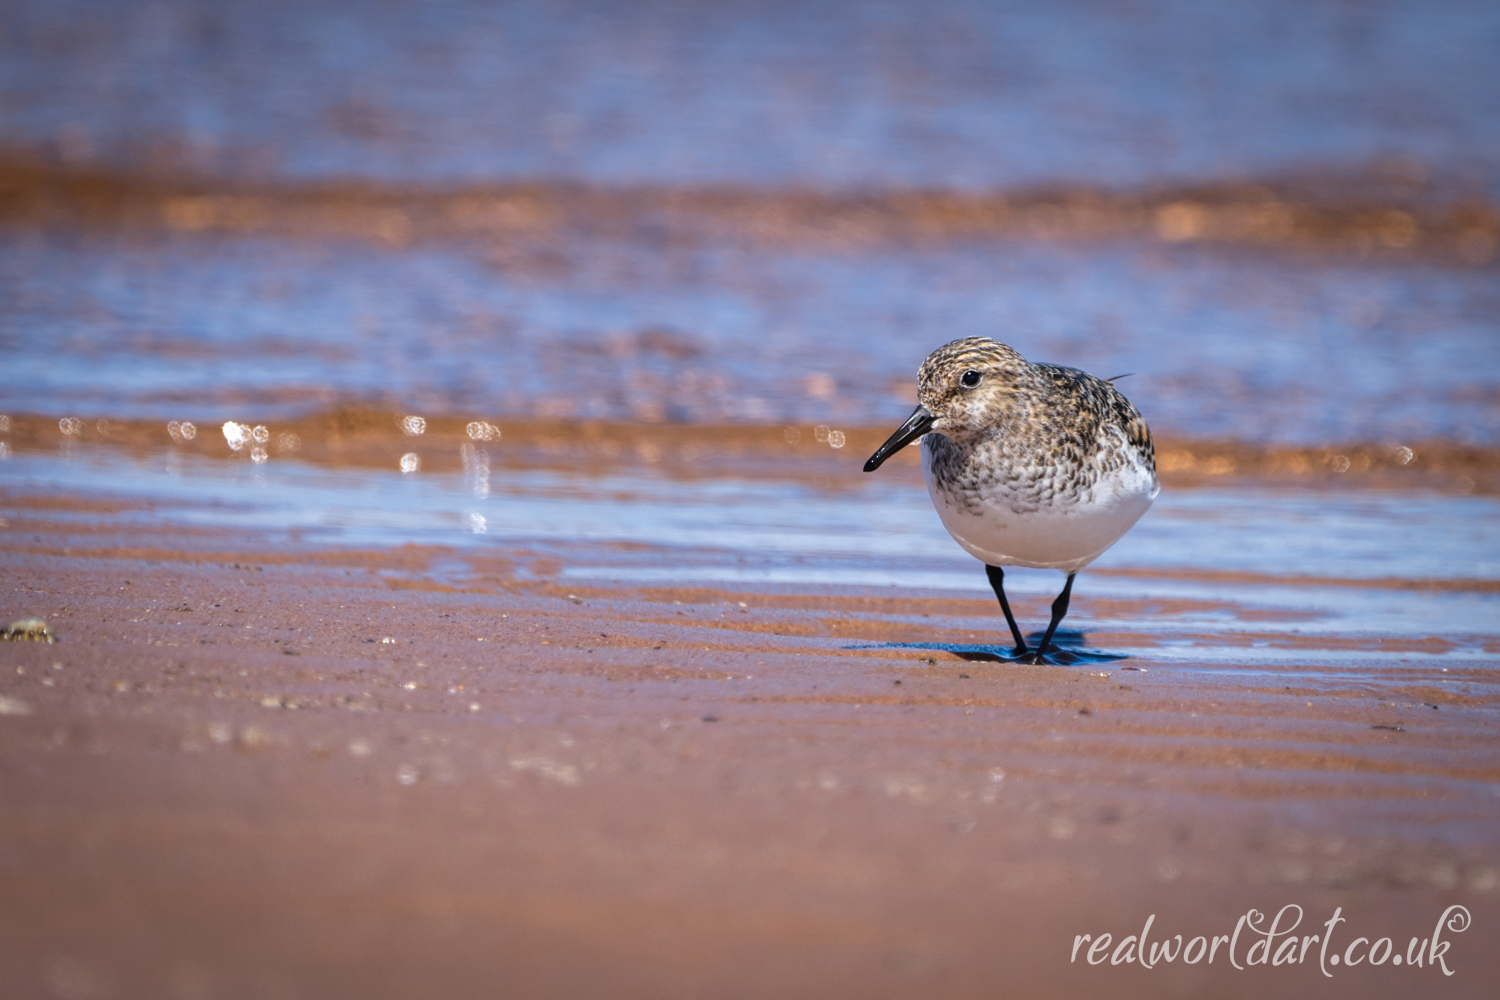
919,423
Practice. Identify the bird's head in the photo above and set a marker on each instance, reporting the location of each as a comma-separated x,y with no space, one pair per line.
962,387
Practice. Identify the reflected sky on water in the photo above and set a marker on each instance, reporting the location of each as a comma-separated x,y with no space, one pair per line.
943,93
1267,561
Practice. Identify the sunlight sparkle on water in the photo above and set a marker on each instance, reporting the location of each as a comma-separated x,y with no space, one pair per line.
480,430
237,435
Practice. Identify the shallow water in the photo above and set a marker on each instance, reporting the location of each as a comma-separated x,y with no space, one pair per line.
953,93
1279,217
1251,574
1240,346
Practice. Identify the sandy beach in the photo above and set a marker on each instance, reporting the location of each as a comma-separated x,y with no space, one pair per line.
252,768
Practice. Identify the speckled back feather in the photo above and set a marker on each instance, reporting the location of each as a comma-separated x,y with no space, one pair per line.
1032,435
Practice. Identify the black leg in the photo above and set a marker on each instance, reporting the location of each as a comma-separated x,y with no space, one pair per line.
997,580
1059,609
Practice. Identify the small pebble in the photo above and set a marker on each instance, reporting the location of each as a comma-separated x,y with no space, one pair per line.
28,630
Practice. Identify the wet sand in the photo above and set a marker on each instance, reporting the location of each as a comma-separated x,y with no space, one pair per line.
374,439
266,770
1380,213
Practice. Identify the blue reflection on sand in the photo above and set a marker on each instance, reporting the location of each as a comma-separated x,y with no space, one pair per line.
1217,561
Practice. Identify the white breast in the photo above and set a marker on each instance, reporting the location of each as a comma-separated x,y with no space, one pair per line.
1066,535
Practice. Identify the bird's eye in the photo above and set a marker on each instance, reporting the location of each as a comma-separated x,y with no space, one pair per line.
970,379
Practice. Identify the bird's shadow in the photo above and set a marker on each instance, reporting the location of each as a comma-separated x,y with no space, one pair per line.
1065,650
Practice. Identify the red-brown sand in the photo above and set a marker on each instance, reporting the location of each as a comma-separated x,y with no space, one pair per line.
252,772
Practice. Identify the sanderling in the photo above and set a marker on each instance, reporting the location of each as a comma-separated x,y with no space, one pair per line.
1027,464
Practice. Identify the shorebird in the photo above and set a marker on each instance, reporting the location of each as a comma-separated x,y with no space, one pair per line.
1027,464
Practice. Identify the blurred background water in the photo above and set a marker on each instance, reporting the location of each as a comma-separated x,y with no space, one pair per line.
1389,107
1261,349
832,93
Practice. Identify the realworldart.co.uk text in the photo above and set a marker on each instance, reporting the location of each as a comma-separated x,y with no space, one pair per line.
1254,943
